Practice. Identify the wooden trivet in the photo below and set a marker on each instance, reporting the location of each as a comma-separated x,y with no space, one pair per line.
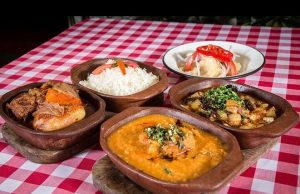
108,179
38,155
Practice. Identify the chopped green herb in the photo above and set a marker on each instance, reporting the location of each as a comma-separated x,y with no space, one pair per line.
215,99
162,135
167,171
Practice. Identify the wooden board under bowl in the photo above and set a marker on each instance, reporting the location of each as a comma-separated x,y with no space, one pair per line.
41,156
108,179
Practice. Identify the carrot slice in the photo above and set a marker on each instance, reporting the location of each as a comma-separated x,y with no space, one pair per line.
122,67
101,68
54,96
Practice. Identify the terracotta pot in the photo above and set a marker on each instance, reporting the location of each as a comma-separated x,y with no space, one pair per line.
59,139
248,138
151,96
209,181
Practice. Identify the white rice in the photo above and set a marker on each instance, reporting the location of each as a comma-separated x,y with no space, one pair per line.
111,81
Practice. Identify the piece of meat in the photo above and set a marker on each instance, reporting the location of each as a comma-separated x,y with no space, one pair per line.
22,105
62,108
170,150
61,87
53,109
39,94
48,122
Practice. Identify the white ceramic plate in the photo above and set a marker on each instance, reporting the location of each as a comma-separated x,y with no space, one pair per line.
250,58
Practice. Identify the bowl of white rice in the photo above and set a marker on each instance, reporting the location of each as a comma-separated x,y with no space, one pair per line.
122,83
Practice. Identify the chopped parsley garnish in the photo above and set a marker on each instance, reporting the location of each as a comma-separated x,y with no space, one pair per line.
162,135
167,171
215,99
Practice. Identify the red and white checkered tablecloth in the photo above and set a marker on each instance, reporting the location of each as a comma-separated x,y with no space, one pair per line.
278,171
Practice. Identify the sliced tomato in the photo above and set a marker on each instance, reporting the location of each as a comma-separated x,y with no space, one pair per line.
101,68
216,52
203,50
131,64
232,68
188,65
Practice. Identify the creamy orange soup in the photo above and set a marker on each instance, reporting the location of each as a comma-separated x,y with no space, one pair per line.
166,148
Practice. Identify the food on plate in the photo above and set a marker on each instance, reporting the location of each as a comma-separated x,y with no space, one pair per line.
22,105
119,77
226,105
53,106
167,148
210,61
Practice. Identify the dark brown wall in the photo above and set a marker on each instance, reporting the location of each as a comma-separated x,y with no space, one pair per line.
22,34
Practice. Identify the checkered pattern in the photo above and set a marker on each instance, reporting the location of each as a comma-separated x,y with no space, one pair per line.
277,171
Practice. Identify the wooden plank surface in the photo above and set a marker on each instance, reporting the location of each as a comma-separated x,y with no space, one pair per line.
38,155
41,156
108,179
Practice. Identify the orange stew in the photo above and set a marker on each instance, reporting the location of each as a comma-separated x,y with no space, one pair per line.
167,148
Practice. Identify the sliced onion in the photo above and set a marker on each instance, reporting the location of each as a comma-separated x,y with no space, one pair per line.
197,62
224,70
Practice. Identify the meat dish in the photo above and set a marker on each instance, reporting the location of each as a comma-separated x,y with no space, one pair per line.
52,106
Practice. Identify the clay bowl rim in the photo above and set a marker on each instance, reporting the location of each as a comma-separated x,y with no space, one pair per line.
288,116
142,95
72,130
204,182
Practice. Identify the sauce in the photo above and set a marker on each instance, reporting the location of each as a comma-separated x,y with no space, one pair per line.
166,148
226,105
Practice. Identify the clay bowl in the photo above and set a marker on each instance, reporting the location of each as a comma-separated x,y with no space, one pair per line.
63,138
209,181
151,96
248,138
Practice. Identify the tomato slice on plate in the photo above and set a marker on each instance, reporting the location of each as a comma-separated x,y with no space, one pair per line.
216,52
232,68
188,65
